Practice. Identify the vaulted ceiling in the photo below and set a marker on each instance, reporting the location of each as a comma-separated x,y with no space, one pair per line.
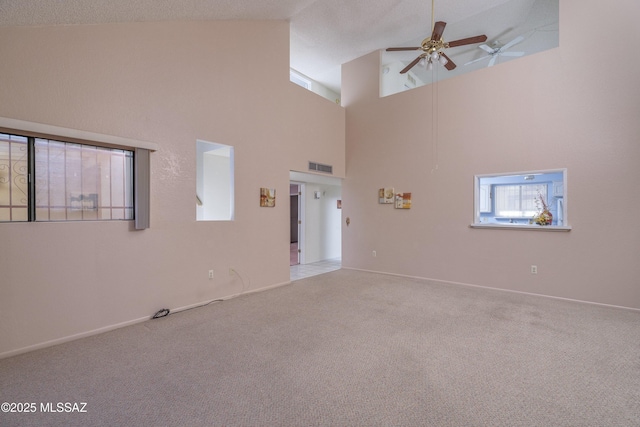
324,33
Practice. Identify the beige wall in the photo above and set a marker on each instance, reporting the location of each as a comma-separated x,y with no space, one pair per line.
174,83
574,107
171,84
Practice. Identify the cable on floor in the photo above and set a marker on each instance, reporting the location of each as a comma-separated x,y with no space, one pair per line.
165,311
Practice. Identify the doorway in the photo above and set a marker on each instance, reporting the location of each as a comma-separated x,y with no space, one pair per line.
315,223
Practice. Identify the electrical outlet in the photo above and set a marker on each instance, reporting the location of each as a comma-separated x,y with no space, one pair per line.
210,274
534,269
373,254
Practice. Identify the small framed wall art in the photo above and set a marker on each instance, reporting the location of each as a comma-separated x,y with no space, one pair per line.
267,197
403,201
385,196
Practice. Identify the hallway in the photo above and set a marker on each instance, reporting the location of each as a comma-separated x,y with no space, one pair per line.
300,271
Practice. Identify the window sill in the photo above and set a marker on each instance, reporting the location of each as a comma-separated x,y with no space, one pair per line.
71,135
522,227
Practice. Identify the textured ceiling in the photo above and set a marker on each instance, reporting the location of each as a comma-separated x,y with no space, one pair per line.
324,33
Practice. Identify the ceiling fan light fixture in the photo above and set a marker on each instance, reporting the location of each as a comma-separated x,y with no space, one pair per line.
432,46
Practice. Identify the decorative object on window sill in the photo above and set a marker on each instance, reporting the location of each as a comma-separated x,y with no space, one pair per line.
544,216
386,196
432,47
267,197
403,201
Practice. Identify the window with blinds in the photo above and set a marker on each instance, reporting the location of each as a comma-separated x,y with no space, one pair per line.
518,201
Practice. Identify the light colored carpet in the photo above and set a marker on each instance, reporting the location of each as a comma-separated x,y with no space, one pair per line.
347,348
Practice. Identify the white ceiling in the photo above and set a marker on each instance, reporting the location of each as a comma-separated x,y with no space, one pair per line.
324,33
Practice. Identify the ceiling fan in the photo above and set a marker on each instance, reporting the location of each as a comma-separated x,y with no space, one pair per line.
432,49
495,52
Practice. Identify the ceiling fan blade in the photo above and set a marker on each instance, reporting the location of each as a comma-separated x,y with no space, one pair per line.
450,65
486,48
468,40
479,59
493,61
512,53
411,65
397,49
438,29
512,43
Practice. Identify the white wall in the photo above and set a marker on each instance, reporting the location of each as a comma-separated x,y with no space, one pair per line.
324,92
322,223
217,187
317,88
391,81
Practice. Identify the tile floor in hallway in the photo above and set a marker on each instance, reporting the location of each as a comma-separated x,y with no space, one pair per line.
300,271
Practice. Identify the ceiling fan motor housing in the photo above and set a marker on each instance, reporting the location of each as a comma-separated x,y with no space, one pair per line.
429,46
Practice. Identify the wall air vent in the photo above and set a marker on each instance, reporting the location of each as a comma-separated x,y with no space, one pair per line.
318,167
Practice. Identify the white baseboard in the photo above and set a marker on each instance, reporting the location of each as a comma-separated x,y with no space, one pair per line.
71,338
448,282
123,324
277,285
